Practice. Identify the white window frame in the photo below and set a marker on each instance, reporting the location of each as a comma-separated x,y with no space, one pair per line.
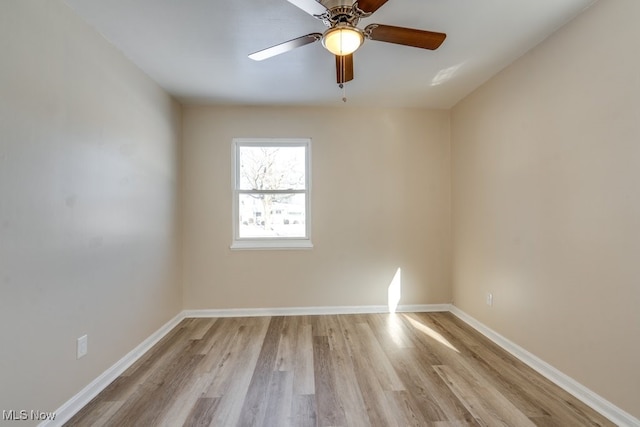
239,243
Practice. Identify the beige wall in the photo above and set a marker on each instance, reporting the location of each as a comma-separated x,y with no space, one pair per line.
88,204
380,201
546,213
546,201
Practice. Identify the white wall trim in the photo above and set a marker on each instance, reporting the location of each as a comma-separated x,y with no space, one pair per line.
301,311
77,402
595,401
598,403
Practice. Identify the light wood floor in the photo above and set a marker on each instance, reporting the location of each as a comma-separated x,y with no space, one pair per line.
427,369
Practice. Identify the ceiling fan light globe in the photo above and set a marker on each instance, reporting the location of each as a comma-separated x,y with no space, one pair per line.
342,40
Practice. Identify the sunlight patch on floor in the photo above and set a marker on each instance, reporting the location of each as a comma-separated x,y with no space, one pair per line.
395,329
431,333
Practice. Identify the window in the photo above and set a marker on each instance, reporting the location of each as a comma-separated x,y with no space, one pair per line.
271,193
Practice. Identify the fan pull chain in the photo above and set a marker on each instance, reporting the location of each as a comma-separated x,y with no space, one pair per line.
344,93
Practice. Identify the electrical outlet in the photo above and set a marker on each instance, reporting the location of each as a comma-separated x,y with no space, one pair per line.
489,299
82,347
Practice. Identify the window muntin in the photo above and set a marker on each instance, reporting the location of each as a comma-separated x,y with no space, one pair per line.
271,192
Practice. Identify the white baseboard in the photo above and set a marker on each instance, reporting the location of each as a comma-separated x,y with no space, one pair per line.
301,311
598,403
595,401
77,402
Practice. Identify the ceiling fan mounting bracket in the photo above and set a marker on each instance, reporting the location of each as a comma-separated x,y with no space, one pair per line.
341,15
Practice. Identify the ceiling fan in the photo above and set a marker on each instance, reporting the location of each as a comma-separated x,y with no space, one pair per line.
344,37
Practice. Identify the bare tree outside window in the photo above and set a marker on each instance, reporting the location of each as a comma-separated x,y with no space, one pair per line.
271,190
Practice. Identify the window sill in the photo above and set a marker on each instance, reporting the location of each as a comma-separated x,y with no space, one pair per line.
271,244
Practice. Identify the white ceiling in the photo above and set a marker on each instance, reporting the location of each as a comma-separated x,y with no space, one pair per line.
197,49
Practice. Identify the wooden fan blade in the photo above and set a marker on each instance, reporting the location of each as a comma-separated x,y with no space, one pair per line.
370,6
285,47
312,7
405,36
344,68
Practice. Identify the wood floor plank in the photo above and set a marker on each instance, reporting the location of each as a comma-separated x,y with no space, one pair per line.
200,327
455,423
254,406
435,400
303,411
502,379
409,369
319,326
95,414
510,378
165,351
488,406
368,345
379,410
524,387
328,410
202,412
279,400
285,358
406,408
179,408
303,378
439,401
372,378
151,401
390,331
218,342
235,353
232,377
457,362
210,338
347,389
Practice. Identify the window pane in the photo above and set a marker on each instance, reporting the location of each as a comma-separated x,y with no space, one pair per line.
272,168
272,215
